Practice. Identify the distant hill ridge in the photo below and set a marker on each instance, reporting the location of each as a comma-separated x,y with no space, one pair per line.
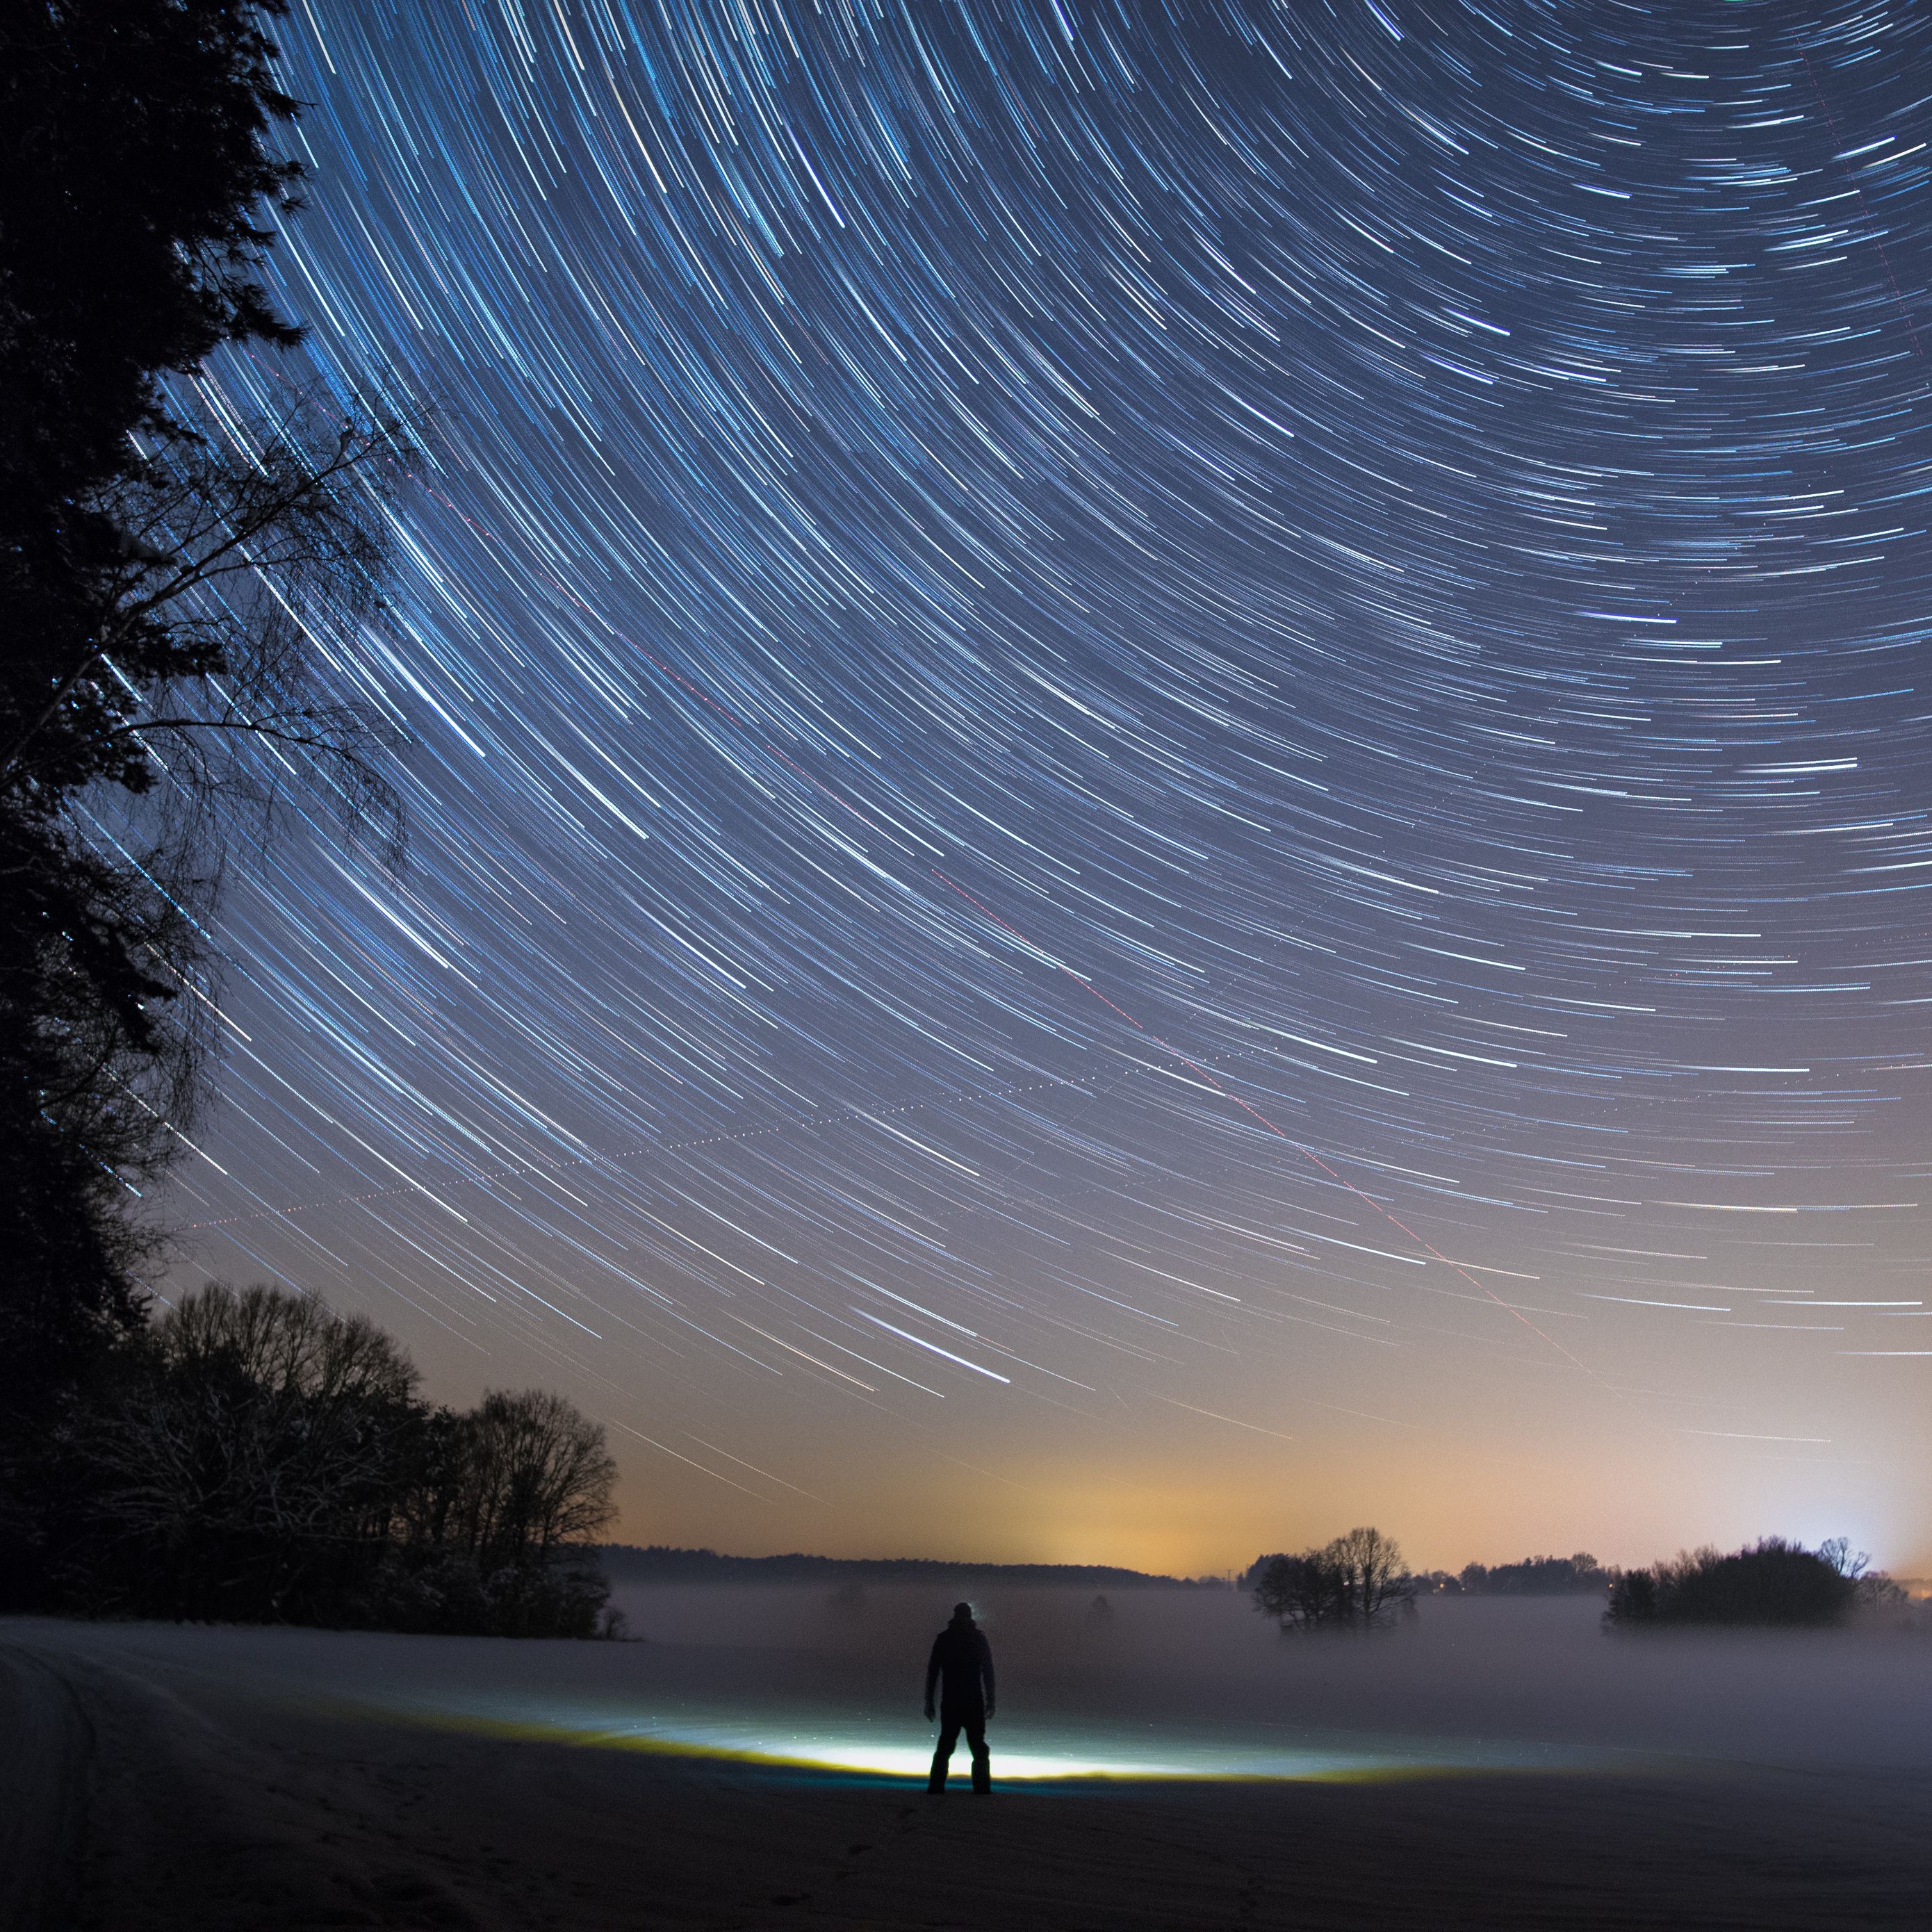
626,1563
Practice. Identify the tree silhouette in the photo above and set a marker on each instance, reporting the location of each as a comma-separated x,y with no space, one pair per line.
1770,1582
1357,1582
258,1456
159,591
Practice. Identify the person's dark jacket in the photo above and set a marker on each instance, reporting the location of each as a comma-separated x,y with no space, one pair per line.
962,1665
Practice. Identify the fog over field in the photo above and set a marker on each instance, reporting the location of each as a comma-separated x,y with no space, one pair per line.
1146,1683
1470,1680
1163,1760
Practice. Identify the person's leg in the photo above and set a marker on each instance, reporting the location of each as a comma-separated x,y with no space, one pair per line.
976,1743
949,1736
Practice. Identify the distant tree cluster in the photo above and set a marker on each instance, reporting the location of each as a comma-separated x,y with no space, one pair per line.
255,1458
1358,1582
1578,1575
1769,1582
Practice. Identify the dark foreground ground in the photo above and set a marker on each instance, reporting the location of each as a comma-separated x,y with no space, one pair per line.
158,1777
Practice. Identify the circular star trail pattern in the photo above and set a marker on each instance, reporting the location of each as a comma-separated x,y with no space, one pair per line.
1097,691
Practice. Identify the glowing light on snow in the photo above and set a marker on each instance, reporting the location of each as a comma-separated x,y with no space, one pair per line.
1039,1754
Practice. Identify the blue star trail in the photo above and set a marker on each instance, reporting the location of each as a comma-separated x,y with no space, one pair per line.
1115,712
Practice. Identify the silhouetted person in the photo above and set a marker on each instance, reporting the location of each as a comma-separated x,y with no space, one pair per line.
962,1666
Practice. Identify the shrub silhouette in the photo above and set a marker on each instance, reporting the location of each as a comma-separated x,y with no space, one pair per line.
1770,1582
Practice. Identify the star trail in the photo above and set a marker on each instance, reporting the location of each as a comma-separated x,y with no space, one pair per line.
1130,731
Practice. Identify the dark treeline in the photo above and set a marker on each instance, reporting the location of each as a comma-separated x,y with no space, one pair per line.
253,1457
173,580
625,1563
1358,1582
1770,1582
1579,1575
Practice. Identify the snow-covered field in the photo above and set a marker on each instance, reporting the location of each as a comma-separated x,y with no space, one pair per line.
1164,1758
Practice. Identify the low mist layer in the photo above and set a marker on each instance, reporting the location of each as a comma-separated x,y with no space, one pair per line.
1533,1672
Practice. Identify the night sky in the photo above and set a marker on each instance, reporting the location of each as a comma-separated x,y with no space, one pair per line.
1168,784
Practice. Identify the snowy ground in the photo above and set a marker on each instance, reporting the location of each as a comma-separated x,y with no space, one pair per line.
1164,1761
